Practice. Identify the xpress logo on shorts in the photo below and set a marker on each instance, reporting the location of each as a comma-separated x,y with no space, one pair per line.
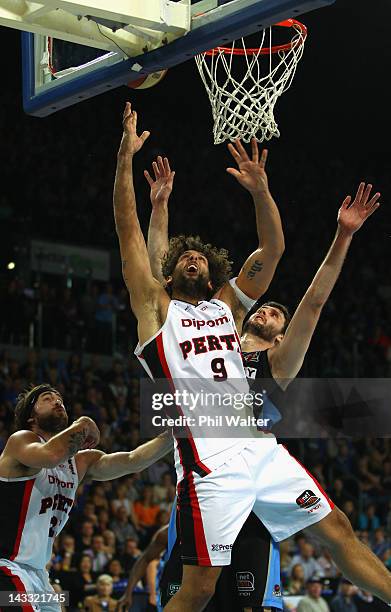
221,547
307,499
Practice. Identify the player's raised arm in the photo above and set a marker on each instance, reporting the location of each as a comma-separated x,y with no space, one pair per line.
161,188
101,466
287,357
258,270
136,268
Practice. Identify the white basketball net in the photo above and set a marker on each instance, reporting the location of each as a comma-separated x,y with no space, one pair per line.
245,108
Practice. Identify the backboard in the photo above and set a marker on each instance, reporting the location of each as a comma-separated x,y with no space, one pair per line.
119,48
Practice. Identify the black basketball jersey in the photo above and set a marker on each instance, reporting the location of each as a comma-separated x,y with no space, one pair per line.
262,383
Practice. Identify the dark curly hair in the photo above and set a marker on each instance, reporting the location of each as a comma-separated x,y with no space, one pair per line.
219,264
26,402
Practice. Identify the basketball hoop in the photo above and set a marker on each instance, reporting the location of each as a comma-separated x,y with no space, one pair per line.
243,104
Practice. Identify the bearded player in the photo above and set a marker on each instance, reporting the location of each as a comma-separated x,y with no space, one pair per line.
40,469
219,480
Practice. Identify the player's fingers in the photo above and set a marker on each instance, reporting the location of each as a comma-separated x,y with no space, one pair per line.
144,135
373,200
160,164
254,150
360,191
264,155
242,150
346,202
234,172
148,177
167,165
366,194
234,152
156,170
372,210
127,109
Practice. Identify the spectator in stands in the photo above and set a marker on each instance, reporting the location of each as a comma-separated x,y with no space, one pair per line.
380,544
89,514
84,540
110,542
296,582
327,564
369,519
344,602
307,560
369,481
130,554
121,499
313,601
81,583
338,493
145,509
99,499
103,520
351,512
122,528
67,553
386,558
102,600
160,490
120,581
98,554
343,463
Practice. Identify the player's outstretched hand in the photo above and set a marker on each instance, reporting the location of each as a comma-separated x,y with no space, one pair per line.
161,186
352,215
131,143
251,172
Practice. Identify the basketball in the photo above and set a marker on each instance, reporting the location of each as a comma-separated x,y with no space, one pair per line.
147,81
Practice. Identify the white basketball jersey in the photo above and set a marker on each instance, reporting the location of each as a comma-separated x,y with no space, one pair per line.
199,343
33,511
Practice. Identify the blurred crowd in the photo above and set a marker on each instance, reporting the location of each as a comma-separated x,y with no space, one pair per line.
114,521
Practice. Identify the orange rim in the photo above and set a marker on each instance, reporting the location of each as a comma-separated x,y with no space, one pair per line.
288,23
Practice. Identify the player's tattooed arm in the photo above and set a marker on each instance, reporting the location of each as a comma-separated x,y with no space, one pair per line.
258,270
255,269
77,441
26,448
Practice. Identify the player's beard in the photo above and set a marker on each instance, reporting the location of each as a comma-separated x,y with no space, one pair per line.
264,332
52,423
193,288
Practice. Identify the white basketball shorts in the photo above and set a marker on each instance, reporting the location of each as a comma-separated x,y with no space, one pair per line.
262,477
